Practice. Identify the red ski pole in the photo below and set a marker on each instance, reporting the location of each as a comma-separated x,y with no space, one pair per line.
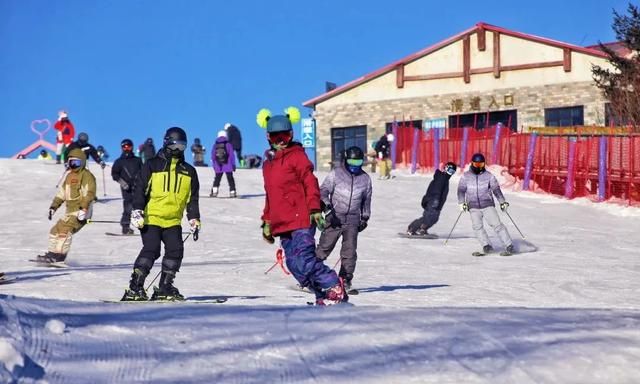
279,261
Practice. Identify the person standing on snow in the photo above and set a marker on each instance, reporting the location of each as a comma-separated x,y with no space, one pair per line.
235,138
197,152
125,170
433,201
66,133
223,161
166,186
292,207
383,151
89,150
147,150
346,199
77,192
475,195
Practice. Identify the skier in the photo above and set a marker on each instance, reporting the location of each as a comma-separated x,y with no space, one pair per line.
197,152
383,151
78,192
166,186
252,161
44,155
223,161
125,170
475,196
88,149
433,201
66,133
346,199
104,155
147,150
235,138
292,207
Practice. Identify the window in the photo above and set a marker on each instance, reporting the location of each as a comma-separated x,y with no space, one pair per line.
564,117
343,138
479,120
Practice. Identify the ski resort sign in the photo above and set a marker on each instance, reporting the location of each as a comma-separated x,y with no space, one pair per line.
308,133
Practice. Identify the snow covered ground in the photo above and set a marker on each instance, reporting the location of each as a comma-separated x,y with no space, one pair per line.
566,313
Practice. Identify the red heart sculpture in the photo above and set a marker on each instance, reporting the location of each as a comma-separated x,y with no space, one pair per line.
38,123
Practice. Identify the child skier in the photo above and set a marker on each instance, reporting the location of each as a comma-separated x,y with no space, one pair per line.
223,160
166,186
346,199
433,201
475,196
125,170
77,191
292,207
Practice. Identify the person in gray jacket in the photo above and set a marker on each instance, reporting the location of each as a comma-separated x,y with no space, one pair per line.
475,195
346,201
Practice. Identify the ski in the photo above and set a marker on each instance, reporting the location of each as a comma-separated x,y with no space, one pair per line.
353,291
121,234
428,236
218,300
58,264
4,279
341,304
478,253
506,253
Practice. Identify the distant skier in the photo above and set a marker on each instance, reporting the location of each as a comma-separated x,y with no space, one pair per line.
292,207
147,150
44,155
197,152
383,152
125,170
235,138
433,201
89,150
223,161
346,198
77,192
66,133
166,186
252,161
475,195
104,155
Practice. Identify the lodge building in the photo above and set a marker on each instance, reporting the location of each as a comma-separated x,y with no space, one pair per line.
480,77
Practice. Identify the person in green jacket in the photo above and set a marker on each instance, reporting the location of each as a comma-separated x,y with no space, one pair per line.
165,187
78,192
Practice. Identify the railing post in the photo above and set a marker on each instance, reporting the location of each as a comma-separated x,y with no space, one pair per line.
571,169
496,143
529,165
414,149
436,148
602,168
394,144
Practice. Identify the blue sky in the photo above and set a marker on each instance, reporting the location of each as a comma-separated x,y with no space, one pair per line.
134,68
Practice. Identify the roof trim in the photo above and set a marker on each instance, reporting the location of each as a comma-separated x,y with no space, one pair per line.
424,52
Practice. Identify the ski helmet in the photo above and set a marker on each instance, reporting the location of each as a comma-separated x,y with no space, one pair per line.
127,145
175,141
477,163
83,137
354,159
450,168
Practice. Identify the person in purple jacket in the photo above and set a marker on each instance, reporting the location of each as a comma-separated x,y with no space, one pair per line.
475,195
223,161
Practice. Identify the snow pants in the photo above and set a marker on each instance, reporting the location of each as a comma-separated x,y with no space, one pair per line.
61,233
490,214
230,180
385,168
127,206
152,236
299,251
429,218
348,255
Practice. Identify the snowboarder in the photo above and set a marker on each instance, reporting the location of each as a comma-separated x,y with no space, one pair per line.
197,152
78,192
88,149
383,151
292,207
235,138
433,201
223,161
475,195
147,150
125,170
66,133
166,186
346,199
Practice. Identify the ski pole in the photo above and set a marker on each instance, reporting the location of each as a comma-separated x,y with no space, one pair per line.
61,177
104,185
154,279
104,221
514,223
454,225
337,262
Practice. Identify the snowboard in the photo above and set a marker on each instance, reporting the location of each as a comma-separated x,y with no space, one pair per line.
59,264
428,236
121,234
218,300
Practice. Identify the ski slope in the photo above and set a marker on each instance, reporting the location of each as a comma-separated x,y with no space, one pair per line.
427,313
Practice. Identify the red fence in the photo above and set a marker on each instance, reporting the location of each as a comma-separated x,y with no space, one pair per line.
563,165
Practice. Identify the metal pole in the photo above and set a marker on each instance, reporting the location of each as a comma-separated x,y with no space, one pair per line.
454,225
154,279
104,185
514,224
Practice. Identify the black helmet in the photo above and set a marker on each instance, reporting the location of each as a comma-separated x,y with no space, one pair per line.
450,168
127,142
100,148
353,159
353,153
83,137
477,163
175,141
196,140
43,152
478,157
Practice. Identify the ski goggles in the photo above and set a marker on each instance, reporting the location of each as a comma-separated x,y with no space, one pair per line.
355,162
478,164
176,145
74,163
127,147
450,170
281,137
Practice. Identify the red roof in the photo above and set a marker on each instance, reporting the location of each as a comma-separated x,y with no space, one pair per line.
408,59
617,46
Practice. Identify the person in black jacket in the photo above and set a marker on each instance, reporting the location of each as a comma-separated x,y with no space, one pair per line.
124,171
147,150
383,153
433,201
88,149
235,138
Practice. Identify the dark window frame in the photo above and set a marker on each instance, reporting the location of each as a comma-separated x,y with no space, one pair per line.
345,137
564,116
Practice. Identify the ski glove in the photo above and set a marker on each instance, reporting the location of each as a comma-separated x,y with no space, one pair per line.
51,212
266,233
137,218
195,228
332,219
504,206
464,207
123,185
82,214
317,219
363,224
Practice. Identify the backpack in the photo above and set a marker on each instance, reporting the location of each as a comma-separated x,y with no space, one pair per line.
221,153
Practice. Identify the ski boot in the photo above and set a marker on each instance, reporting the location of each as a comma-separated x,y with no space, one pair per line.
487,249
214,192
166,290
51,257
336,294
510,250
136,290
233,194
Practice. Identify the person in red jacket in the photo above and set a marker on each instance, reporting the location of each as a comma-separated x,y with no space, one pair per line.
292,207
66,133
